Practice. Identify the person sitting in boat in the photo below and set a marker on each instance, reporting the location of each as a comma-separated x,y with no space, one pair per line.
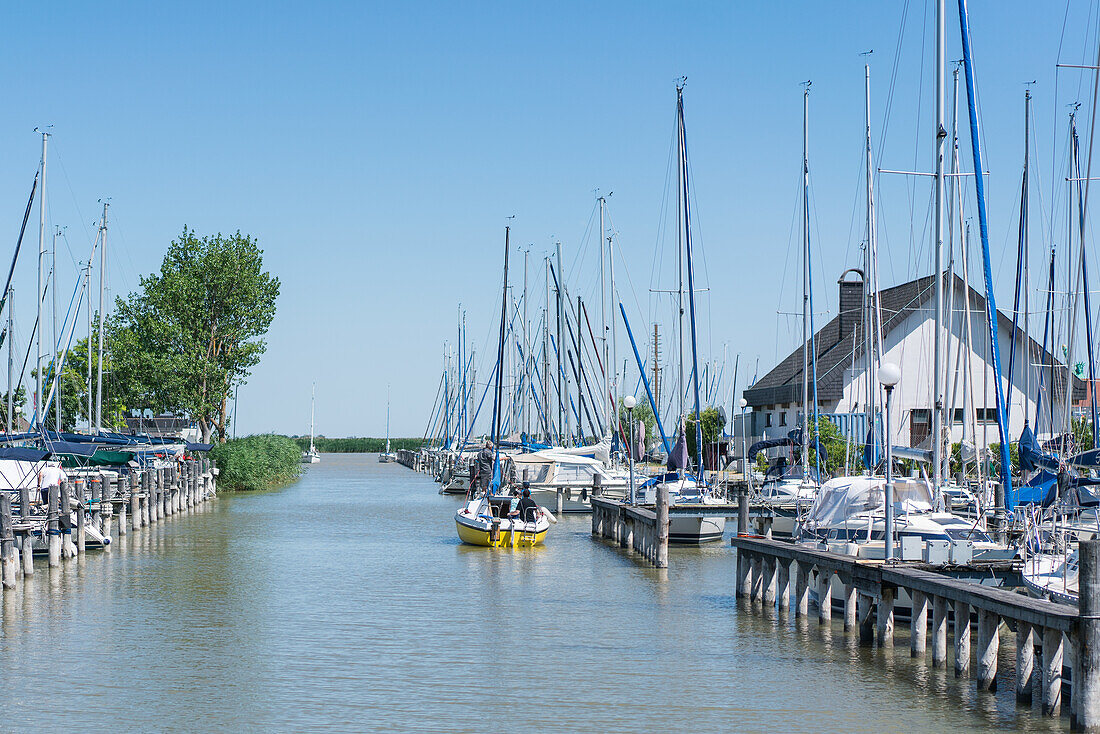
526,509
484,468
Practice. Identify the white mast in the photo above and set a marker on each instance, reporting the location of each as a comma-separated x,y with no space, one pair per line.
613,363
603,320
53,309
937,372
870,281
102,294
312,399
387,420
11,353
38,297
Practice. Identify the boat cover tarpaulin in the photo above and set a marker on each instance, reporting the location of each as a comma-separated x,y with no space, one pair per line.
199,446
23,453
1032,456
73,449
678,459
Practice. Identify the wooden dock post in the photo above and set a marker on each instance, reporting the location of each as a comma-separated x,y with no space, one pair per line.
744,574
107,508
939,632
801,591
866,620
885,617
743,509
135,504
97,497
824,596
989,643
1025,662
662,525
784,593
561,501
53,530
757,577
850,619
65,521
1086,689
8,559
1052,671
918,625
26,556
962,639
769,581
25,502
81,531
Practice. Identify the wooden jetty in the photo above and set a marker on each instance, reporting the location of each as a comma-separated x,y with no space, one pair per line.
1065,636
126,502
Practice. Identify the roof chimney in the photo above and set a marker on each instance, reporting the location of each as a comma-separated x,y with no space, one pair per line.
851,302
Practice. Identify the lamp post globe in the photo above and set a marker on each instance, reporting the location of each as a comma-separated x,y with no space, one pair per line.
889,374
629,401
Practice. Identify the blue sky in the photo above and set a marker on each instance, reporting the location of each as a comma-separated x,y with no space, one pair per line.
377,149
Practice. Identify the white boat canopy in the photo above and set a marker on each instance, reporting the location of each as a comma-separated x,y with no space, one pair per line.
846,497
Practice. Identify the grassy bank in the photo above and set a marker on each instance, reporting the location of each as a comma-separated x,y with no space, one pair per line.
257,462
357,445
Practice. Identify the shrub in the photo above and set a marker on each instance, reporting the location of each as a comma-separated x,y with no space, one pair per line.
257,462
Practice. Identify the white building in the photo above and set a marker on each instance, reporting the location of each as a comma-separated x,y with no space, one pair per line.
908,341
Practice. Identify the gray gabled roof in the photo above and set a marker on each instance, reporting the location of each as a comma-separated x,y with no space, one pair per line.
837,351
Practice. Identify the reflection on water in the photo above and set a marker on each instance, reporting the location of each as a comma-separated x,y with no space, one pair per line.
346,603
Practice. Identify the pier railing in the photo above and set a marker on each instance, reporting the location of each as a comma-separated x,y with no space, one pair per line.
869,590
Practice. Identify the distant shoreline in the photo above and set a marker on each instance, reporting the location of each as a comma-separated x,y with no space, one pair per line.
327,445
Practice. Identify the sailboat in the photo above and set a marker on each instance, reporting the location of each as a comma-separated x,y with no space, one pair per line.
387,456
486,519
311,456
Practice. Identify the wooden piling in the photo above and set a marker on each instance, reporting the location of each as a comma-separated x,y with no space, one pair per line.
962,639
53,530
1052,671
107,507
989,643
561,501
824,596
783,595
757,578
96,485
885,617
8,560
939,632
25,502
135,504
26,556
662,524
918,625
866,620
850,619
65,522
81,531
1087,687
1025,662
744,574
801,591
769,581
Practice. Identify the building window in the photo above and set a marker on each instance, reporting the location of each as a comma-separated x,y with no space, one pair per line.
783,418
767,420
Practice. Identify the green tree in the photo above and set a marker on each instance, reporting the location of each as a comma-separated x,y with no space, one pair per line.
195,329
712,427
19,399
644,413
834,446
72,392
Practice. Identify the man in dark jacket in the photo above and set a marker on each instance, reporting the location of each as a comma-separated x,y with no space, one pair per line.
526,509
485,467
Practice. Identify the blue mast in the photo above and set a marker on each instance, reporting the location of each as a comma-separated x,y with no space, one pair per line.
691,284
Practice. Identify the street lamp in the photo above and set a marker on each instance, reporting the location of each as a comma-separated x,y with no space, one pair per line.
746,474
630,402
888,375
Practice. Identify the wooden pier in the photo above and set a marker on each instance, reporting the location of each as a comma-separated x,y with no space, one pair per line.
1064,636
105,501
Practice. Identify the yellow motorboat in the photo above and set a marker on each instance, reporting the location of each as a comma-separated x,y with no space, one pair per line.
484,521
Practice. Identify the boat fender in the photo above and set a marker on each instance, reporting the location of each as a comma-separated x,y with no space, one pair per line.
106,540
549,515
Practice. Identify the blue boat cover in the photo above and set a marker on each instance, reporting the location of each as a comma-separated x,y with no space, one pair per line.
199,446
1032,456
23,453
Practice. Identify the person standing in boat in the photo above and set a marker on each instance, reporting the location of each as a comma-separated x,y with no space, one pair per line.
484,468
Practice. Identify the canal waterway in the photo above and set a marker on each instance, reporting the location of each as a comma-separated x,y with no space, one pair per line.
344,602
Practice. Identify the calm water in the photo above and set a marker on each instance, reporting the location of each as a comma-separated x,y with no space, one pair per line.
345,603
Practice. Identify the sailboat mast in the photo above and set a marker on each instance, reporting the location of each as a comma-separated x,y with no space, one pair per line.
612,364
11,354
869,281
526,356
805,284
938,351
53,311
1027,338
102,294
546,358
564,428
691,286
38,295
497,407
603,323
